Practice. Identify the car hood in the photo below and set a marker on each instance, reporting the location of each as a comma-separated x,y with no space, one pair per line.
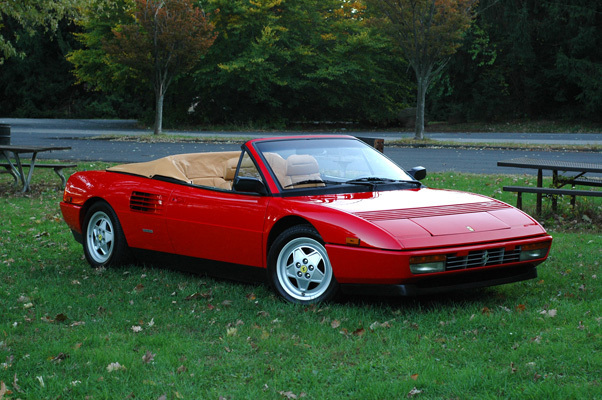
413,215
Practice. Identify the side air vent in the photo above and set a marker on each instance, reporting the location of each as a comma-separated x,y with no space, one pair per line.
146,202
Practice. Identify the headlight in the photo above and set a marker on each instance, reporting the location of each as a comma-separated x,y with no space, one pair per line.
534,251
427,264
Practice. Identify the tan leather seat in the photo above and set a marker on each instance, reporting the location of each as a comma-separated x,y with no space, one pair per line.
302,167
230,169
278,166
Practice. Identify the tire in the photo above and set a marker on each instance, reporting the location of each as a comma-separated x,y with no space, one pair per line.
104,241
298,267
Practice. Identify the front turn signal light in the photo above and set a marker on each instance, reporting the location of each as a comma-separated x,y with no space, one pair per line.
534,251
427,264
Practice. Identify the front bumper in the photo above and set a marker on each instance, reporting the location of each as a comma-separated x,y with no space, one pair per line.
472,263
447,283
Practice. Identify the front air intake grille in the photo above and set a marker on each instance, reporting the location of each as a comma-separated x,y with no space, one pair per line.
146,202
482,258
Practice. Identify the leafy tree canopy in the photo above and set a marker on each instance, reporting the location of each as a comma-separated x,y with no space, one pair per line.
427,32
302,60
31,14
165,40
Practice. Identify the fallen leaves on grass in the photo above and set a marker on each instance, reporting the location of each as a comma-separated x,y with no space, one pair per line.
377,324
16,385
358,332
115,367
59,357
148,357
414,392
291,395
197,295
4,390
57,318
549,313
23,299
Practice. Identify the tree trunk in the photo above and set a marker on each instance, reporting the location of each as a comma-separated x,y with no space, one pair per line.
422,83
159,112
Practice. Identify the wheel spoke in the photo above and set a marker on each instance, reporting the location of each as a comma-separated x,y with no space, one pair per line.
303,284
291,270
298,255
314,258
317,276
108,236
104,248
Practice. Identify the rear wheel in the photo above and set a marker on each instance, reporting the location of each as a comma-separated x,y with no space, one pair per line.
104,241
299,268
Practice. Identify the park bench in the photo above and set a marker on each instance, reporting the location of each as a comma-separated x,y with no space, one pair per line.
554,192
558,181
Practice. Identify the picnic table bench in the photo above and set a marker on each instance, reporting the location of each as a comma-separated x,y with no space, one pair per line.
15,168
558,181
58,169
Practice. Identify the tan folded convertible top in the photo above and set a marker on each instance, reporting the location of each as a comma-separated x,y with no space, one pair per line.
183,167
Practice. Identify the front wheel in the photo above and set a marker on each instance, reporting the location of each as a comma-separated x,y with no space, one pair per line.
104,241
299,268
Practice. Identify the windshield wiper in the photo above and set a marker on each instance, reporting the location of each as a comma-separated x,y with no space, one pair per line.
372,181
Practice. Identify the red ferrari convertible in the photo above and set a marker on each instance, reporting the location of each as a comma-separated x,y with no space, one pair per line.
313,214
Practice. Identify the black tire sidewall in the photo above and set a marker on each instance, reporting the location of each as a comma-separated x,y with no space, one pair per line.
286,236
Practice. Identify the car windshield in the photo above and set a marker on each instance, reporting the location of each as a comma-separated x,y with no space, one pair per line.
312,162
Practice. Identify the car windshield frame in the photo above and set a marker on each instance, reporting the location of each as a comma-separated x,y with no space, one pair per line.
330,165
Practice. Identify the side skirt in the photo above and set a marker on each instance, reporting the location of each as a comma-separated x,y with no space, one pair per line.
218,269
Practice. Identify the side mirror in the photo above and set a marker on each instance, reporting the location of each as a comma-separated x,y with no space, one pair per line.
418,173
249,185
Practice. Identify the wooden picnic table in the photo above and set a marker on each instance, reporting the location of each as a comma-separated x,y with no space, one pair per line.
16,168
558,180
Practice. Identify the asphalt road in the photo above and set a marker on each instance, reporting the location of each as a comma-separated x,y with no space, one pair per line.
82,137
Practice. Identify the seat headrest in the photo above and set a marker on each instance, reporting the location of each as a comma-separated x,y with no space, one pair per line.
301,164
230,168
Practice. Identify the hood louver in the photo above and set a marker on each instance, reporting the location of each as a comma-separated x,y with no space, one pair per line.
435,211
146,202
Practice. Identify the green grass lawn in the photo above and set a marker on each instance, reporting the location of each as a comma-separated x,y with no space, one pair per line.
69,331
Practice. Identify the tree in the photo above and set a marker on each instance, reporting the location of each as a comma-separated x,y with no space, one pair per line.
166,39
34,92
527,59
31,14
428,32
277,62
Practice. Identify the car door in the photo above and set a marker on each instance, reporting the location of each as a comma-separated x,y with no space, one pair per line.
221,225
